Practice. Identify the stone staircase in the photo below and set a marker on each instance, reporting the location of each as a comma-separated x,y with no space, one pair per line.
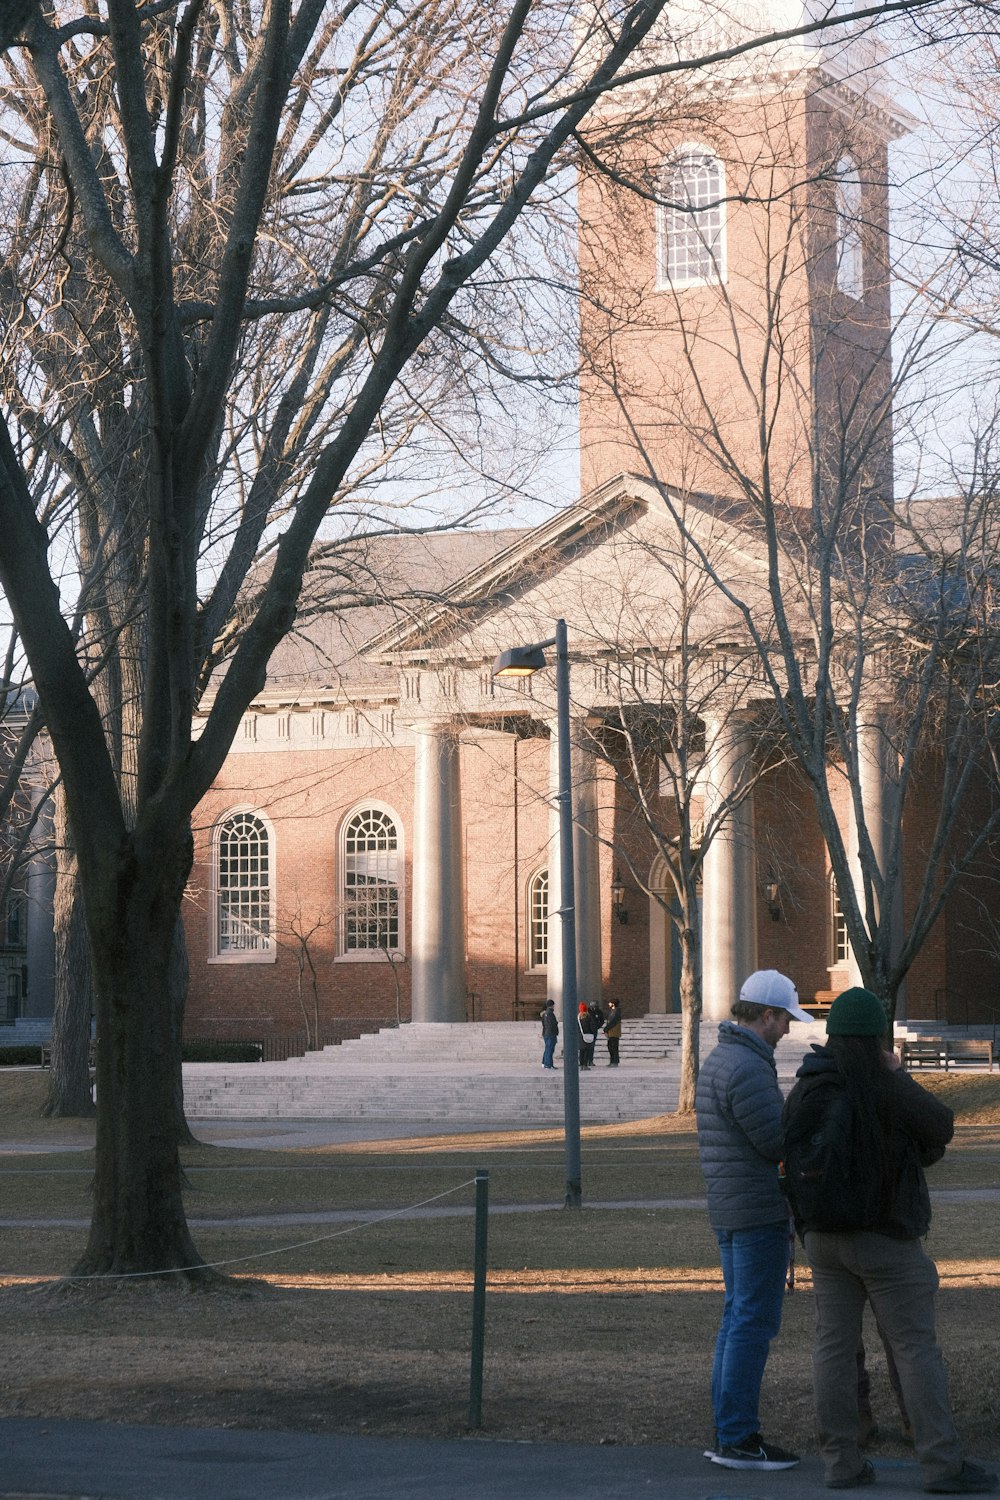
977,1031
464,1042
507,1098
468,1072
26,1031
487,1073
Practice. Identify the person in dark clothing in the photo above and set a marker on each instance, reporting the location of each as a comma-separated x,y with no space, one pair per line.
550,1034
596,1017
587,1036
738,1102
613,1032
898,1130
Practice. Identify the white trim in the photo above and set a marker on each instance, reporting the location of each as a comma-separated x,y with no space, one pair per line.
660,976
834,921
267,953
702,158
850,243
369,955
530,967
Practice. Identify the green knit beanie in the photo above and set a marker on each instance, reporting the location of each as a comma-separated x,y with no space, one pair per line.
857,1012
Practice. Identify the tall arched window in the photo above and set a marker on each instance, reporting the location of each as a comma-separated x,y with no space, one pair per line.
538,920
850,254
691,219
14,933
243,875
840,947
371,896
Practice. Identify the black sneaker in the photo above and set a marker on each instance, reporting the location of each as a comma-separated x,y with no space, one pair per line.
865,1475
970,1480
754,1453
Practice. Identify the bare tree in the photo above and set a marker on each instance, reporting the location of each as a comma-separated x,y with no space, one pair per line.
238,243
873,625
298,933
681,705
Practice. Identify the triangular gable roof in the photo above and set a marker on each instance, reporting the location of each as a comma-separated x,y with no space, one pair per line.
537,552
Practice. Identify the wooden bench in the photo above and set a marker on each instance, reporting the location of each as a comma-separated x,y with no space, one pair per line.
819,1006
945,1052
46,1049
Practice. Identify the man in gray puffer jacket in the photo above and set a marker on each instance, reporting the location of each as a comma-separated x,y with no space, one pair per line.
740,1138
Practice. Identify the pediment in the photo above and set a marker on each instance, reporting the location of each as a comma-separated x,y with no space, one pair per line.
609,564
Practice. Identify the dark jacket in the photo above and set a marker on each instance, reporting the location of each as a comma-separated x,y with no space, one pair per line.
739,1131
550,1026
589,1026
613,1025
921,1128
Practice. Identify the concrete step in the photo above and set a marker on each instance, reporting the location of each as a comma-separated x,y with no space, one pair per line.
482,1041
212,1091
26,1031
977,1031
486,1072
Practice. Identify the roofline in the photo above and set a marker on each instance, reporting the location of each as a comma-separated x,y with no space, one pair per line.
598,505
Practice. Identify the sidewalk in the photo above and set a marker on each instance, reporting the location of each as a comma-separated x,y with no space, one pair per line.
98,1461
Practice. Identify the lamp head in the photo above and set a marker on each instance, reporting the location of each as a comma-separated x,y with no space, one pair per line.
519,661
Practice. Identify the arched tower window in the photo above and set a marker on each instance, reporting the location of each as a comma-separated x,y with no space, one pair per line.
691,219
242,888
850,254
538,920
370,895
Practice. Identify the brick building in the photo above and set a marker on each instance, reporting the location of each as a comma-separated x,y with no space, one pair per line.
381,840
390,802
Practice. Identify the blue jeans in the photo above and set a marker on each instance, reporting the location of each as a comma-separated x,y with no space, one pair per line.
548,1051
754,1263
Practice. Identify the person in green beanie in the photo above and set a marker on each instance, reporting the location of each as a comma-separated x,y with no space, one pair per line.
863,1244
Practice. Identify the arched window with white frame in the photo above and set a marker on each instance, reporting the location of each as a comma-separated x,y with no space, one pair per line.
840,946
371,885
850,250
691,219
243,888
538,920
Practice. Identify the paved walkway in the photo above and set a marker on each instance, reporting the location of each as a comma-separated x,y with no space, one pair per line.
99,1461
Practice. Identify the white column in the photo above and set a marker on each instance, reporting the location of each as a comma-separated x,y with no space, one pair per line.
586,869
729,878
39,888
877,775
438,956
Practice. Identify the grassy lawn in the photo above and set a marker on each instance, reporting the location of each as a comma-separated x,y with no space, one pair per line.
365,1327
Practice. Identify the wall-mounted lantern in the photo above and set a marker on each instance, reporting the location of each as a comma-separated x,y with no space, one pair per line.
618,898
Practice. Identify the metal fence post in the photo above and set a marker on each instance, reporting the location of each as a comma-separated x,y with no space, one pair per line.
479,1299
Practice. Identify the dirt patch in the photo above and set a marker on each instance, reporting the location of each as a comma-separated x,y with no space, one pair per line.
398,1363
611,1312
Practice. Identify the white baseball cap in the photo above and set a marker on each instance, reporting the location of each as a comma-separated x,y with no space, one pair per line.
768,987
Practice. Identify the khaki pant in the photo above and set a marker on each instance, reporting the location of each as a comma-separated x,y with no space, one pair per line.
900,1281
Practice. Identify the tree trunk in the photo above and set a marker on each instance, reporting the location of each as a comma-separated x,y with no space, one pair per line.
690,1016
138,1225
70,1092
180,975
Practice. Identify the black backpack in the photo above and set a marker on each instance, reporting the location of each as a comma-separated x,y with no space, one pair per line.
820,1173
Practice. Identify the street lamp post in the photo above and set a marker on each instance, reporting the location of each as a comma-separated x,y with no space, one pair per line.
523,661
